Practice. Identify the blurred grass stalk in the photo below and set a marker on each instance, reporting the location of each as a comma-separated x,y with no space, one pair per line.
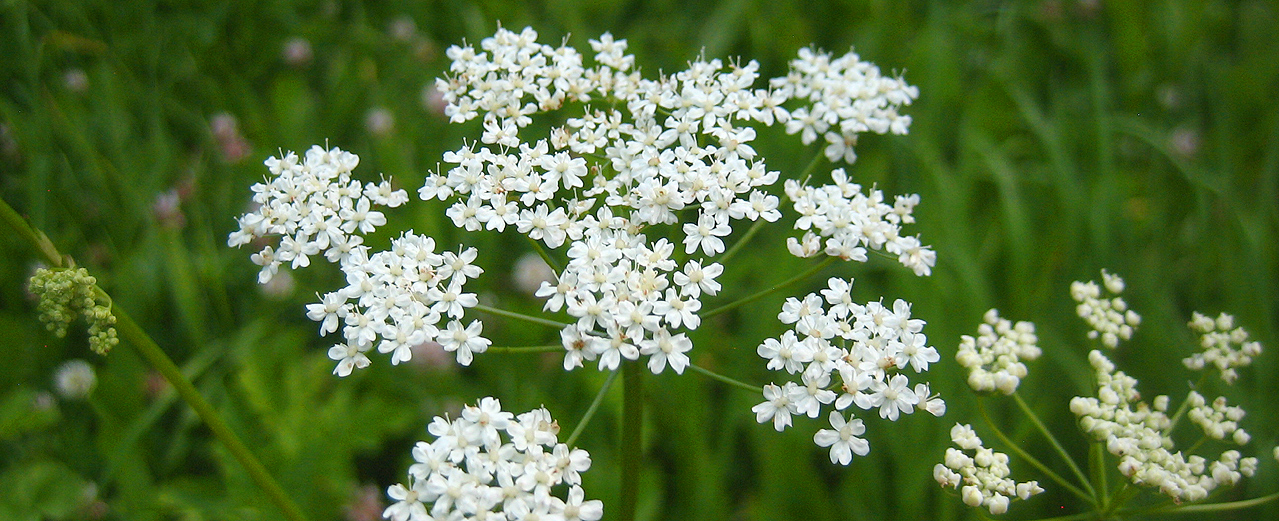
135,336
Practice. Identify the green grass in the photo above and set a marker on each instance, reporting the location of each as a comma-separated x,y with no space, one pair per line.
1051,139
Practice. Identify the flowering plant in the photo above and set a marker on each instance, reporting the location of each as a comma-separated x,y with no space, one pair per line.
1117,421
629,201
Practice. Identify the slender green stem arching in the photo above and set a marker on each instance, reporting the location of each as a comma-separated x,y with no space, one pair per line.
545,255
590,411
632,446
759,223
1052,440
520,316
135,336
1086,496
1199,508
730,381
1185,404
764,293
131,333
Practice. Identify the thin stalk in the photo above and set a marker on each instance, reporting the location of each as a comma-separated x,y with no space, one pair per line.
763,293
632,441
130,332
759,223
590,411
135,336
1201,508
545,255
38,241
1097,465
520,316
1185,404
1034,418
735,383
526,349
1086,496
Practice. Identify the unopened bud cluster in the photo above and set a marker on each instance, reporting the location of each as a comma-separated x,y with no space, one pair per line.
491,464
982,472
1109,318
67,293
994,357
1140,435
1225,346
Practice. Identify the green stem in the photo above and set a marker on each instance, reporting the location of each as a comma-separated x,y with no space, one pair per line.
1097,465
750,233
546,256
1185,404
590,411
735,383
763,293
135,336
526,349
759,223
1086,496
632,441
34,237
520,316
1034,418
1201,508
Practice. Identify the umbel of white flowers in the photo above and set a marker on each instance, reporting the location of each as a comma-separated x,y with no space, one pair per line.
650,152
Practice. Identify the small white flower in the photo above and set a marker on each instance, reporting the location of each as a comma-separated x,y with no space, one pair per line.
843,440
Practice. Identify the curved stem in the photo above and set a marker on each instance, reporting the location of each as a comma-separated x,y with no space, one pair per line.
735,383
130,332
632,440
38,241
1200,508
1185,404
546,256
763,293
590,411
1086,496
1034,418
520,316
759,223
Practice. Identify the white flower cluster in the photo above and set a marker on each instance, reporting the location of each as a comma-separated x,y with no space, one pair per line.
1140,435
316,207
1218,420
472,471
672,154
994,358
846,96
400,296
1109,318
851,221
984,474
867,346
1225,346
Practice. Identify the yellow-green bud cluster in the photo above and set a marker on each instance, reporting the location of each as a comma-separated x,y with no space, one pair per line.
66,293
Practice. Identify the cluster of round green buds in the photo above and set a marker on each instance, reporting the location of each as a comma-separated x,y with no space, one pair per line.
66,293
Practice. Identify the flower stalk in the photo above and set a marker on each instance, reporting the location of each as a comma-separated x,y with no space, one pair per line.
136,337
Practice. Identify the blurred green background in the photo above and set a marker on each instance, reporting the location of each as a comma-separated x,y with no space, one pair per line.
1051,139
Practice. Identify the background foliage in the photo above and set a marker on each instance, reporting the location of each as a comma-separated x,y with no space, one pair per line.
1052,139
